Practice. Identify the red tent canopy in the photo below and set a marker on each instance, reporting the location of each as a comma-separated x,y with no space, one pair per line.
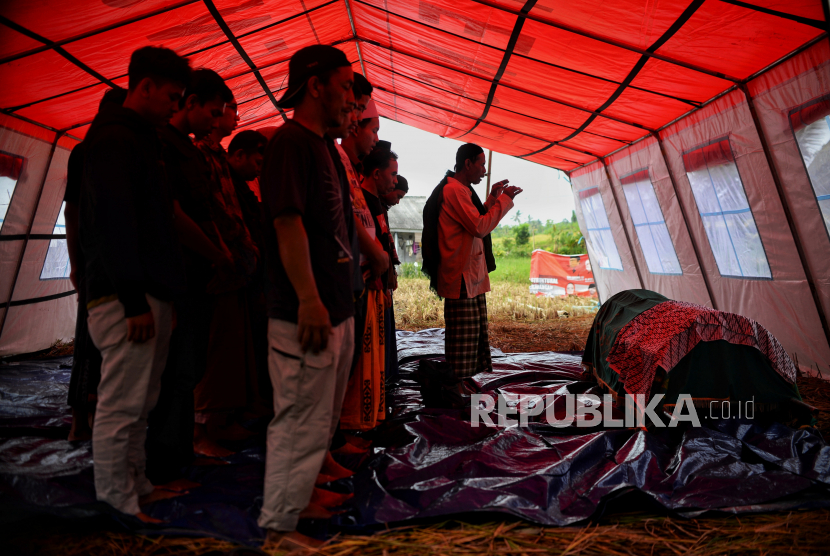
559,83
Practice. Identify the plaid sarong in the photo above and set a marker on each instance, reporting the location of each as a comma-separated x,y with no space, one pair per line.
466,341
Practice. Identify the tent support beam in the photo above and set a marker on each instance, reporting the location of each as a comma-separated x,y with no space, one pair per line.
421,101
241,51
683,211
622,221
58,49
505,59
354,34
473,75
8,302
787,211
612,42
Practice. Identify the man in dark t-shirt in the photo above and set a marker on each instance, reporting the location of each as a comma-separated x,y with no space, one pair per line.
309,226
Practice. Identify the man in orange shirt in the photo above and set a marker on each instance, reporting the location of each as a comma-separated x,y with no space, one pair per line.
466,258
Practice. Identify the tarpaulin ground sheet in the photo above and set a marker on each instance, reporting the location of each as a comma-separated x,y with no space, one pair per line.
427,463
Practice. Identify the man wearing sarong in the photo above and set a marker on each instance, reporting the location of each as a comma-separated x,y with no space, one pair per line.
466,257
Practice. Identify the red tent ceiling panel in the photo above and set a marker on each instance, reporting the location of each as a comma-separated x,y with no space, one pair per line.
735,40
184,30
673,80
571,80
22,85
631,22
57,20
377,59
12,42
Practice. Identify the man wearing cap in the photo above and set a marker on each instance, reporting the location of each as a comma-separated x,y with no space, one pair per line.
458,256
310,305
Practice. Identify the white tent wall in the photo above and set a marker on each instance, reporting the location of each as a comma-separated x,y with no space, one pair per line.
782,303
32,323
34,149
803,79
690,285
608,280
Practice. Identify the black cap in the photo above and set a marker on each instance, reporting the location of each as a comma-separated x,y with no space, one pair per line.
403,184
306,63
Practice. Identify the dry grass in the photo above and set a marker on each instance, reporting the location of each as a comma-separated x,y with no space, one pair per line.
416,307
780,533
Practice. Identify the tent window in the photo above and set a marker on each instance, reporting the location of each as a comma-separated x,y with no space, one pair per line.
57,265
724,209
10,168
599,231
647,216
811,126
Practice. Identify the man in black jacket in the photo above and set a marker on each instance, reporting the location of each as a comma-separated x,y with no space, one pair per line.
170,437
133,268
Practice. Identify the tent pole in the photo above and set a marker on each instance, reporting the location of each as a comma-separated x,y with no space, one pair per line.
7,304
787,211
489,171
599,295
685,220
217,16
622,221
354,34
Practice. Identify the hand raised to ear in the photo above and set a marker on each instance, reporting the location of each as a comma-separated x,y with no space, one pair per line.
512,191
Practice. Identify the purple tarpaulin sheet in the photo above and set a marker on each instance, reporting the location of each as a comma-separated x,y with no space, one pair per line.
428,463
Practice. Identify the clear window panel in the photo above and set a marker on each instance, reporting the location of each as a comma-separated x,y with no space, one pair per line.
56,265
811,126
727,218
599,230
6,191
650,225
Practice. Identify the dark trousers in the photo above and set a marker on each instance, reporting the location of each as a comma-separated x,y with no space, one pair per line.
171,423
86,360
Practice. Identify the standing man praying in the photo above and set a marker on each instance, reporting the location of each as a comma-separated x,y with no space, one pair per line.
465,258
310,305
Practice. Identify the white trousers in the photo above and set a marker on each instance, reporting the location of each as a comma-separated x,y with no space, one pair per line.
129,388
308,397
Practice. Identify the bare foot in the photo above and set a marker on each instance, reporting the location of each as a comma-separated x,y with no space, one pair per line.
205,446
328,499
322,479
147,519
315,511
334,469
357,441
349,448
159,494
290,541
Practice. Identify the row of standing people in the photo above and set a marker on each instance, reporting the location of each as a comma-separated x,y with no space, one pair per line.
174,256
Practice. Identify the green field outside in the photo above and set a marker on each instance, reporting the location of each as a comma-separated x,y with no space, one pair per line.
508,269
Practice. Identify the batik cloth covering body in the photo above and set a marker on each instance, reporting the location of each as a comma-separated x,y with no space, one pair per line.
466,340
664,334
364,404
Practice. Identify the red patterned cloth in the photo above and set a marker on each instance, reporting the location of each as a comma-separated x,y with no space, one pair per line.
664,334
